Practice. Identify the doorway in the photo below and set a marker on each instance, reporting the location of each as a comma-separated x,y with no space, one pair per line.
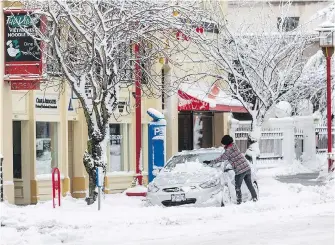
195,130
17,162
18,173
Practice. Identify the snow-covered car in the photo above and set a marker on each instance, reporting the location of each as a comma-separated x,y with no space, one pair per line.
186,180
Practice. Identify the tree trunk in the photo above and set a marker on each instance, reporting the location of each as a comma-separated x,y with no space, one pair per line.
93,158
254,136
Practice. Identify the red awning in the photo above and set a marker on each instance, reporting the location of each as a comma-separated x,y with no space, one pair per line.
187,102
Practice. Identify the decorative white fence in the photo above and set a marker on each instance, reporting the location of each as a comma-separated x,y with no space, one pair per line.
285,138
270,144
321,138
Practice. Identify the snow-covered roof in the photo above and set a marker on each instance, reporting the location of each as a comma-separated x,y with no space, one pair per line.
201,91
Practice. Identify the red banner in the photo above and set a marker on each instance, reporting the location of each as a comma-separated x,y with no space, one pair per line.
25,85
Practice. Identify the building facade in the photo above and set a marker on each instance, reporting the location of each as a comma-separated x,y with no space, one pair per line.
43,129
46,128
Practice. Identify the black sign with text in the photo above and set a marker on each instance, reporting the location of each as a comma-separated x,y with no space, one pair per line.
20,44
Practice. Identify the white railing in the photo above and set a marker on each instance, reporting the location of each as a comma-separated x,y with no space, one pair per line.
321,137
270,143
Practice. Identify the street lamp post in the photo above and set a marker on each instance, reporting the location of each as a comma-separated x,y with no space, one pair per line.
327,43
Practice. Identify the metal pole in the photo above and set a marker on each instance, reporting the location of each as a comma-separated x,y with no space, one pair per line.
1,180
329,110
138,113
99,198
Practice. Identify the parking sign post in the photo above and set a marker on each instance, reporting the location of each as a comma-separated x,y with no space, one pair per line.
99,183
156,143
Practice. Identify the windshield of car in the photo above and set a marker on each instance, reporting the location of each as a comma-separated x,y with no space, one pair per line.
192,157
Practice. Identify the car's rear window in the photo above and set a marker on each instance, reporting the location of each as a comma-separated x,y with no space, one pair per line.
198,157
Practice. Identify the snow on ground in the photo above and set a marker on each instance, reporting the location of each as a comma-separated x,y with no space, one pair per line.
289,214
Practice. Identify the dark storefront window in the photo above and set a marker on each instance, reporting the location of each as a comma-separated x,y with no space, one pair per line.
185,132
202,130
17,164
195,130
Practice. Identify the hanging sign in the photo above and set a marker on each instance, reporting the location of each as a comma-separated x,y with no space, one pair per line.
23,53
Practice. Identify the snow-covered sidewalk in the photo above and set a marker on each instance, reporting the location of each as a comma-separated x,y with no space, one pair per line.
286,214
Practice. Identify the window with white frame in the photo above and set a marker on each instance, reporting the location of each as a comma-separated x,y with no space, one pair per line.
118,147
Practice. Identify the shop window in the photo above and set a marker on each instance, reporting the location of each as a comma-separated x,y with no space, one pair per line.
46,147
118,147
185,132
202,130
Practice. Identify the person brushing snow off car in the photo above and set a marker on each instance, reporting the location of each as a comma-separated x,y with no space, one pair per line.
240,165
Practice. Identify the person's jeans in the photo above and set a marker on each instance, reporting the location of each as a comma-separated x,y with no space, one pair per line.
246,176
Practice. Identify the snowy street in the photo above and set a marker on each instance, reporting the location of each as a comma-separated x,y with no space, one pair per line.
286,214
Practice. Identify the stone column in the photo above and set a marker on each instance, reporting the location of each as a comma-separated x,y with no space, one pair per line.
171,116
32,145
306,123
6,123
64,142
80,176
287,125
7,148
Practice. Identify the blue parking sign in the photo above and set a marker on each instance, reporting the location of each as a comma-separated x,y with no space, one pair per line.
156,147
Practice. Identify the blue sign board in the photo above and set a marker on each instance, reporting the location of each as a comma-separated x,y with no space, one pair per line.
156,147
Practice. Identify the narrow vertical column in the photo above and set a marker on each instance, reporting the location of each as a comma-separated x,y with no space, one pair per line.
63,143
5,109
7,153
80,179
287,125
34,196
138,114
171,119
309,146
329,109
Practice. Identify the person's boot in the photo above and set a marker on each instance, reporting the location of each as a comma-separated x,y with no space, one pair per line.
238,197
255,199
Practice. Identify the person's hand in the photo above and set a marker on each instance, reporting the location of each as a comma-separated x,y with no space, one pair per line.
206,162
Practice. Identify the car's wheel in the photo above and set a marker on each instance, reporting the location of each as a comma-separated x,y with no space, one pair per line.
225,196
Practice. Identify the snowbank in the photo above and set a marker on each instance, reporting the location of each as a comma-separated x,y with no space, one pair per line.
281,167
137,189
303,213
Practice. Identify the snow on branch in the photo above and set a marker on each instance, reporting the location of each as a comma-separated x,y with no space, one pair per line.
257,67
91,44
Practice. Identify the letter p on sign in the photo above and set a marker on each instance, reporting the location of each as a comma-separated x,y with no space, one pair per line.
157,131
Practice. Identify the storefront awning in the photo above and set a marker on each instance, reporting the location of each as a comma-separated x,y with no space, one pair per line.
198,99
187,102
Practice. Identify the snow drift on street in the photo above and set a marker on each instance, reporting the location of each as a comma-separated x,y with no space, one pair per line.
285,214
